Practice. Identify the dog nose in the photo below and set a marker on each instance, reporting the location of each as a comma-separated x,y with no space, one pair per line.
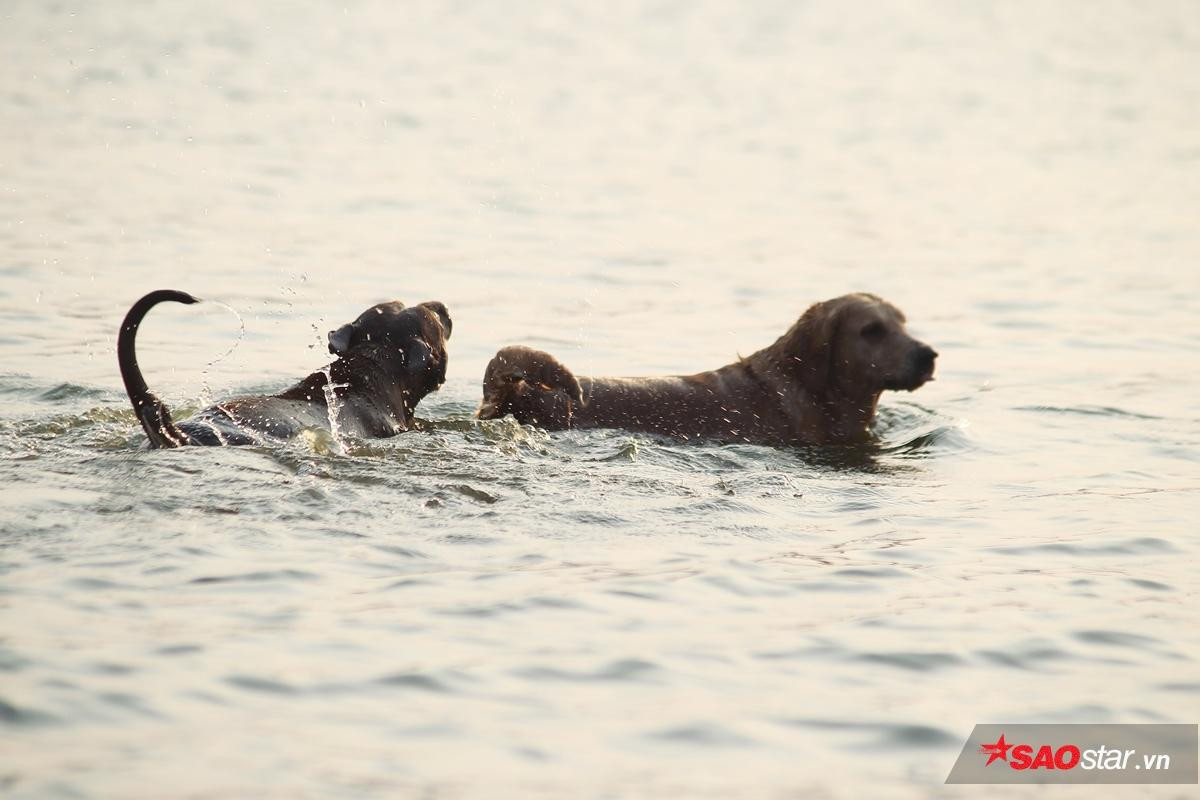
926,356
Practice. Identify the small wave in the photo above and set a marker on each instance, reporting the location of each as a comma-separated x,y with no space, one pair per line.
506,432
935,440
1116,639
131,703
916,662
629,670
415,680
321,442
872,573
1035,655
257,577
475,494
1154,586
1090,411
1140,546
1184,686
254,683
913,430
626,452
11,714
887,735
15,384
62,424
705,735
69,391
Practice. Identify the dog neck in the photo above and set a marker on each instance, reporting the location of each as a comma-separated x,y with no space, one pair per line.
849,418
817,415
368,382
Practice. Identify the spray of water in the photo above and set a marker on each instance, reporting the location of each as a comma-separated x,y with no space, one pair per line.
331,406
205,389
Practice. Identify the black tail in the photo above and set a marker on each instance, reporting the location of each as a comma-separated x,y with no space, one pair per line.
151,412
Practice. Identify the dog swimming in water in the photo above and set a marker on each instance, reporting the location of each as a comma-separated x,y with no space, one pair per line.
387,361
817,384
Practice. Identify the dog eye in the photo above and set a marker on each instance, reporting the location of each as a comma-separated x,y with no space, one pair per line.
873,331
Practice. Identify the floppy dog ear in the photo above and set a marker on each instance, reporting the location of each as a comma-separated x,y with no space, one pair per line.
339,340
812,345
443,315
419,356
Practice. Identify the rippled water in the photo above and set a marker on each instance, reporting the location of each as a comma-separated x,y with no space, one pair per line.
484,609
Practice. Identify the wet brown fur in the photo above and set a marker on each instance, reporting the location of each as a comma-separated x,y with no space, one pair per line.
819,383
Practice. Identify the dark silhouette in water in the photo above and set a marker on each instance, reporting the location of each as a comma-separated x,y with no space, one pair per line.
388,360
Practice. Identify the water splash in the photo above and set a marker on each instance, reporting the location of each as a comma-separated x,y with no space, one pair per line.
331,406
320,442
205,390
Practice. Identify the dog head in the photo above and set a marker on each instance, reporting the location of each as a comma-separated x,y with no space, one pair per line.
418,334
856,346
533,386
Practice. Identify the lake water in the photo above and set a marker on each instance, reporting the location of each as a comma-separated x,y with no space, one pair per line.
640,187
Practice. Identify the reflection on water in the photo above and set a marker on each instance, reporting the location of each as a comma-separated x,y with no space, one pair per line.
477,607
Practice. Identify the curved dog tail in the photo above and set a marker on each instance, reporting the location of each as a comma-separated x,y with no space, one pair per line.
151,412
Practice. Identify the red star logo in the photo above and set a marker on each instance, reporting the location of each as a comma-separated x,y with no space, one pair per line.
999,750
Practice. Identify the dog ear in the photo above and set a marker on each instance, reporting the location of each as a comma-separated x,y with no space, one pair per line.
812,345
439,310
340,340
419,357
554,373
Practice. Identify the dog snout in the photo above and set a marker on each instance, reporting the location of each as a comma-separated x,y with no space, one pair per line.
923,358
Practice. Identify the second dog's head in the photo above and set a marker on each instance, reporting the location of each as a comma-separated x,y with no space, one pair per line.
856,346
418,334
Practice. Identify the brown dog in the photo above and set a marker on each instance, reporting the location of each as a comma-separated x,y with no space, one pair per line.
819,383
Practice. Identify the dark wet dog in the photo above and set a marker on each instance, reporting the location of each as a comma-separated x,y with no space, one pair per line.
388,360
819,383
